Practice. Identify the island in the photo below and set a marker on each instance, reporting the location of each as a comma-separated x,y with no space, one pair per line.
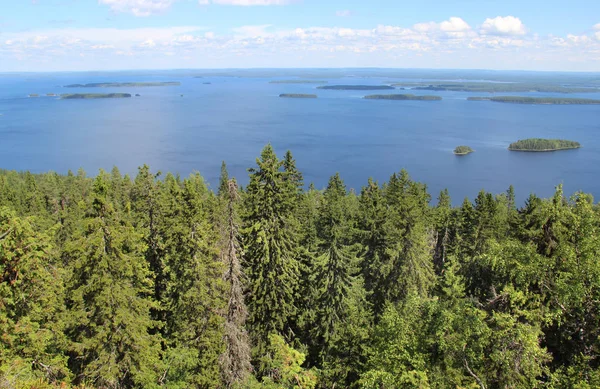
122,84
356,87
403,97
463,150
74,96
51,94
536,100
297,82
538,144
34,95
298,96
498,87
137,95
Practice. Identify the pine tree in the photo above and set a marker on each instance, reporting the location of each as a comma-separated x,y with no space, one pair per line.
109,307
271,251
235,361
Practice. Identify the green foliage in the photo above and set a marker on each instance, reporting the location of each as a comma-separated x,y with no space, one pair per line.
462,150
537,144
159,282
271,256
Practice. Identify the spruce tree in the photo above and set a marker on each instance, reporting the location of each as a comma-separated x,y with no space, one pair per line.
194,298
31,306
271,251
108,301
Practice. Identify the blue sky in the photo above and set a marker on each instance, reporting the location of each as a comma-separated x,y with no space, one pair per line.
48,35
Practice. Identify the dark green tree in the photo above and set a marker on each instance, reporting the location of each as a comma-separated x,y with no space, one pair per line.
108,301
270,243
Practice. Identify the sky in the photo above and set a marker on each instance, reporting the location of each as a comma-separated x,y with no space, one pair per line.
74,35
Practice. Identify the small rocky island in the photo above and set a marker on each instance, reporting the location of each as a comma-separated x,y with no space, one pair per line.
122,84
75,96
356,87
540,145
463,150
403,97
298,96
34,95
536,100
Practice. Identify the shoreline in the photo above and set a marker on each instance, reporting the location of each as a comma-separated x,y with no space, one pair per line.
544,150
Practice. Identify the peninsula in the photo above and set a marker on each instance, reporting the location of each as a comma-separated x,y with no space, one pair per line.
463,150
356,87
497,87
403,97
74,96
538,144
298,96
536,100
122,84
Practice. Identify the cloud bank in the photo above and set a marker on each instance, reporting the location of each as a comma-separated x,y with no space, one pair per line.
500,43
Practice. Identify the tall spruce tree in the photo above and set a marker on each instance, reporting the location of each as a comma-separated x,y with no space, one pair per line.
108,301
271,251
31,306
195,291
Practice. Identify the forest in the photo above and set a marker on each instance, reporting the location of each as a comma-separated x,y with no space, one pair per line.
403,97
499,87
539,144
536,100
159,281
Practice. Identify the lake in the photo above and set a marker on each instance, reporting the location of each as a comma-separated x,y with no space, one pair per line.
234,117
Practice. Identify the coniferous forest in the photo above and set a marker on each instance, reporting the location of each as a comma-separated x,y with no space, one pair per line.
157,281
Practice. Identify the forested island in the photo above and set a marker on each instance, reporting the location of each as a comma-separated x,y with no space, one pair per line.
95,96
141,282
463,150
122,84
536,100
538,144
298,96
34,95
356,87
498,87
297,82
403,97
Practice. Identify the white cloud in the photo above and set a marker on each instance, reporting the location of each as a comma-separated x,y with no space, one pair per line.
597,27
138,7
507,25
454,24
343,14
451,43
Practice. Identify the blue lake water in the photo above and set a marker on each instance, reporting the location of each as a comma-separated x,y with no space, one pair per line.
234,117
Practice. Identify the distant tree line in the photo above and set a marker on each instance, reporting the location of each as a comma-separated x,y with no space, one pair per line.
538,144
156,281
